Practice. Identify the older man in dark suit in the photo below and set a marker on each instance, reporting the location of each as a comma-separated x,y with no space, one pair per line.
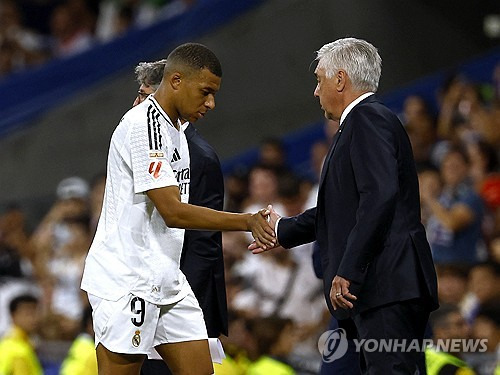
377,265
202,259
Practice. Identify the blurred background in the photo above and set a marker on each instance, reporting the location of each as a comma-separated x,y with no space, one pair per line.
66,78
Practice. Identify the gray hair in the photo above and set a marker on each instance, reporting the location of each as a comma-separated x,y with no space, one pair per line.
150,73
357,57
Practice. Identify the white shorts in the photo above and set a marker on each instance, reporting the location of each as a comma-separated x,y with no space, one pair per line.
132,325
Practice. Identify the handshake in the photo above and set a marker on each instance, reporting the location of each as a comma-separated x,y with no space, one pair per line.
262,224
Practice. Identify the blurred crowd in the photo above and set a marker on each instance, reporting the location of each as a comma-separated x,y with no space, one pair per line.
276,306
35,31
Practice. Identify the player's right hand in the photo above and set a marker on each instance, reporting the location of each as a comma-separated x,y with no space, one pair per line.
261,229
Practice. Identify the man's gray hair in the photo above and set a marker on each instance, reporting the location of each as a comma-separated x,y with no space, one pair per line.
150,73
357,57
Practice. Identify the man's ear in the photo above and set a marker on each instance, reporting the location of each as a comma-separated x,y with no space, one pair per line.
340,80
175,80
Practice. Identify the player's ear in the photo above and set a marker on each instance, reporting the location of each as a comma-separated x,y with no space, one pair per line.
175,80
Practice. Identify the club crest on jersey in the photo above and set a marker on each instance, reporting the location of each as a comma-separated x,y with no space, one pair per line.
155,168
136,339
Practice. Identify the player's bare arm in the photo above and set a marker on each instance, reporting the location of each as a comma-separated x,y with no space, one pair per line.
182,215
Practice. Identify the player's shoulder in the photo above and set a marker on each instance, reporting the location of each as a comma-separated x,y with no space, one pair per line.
138,112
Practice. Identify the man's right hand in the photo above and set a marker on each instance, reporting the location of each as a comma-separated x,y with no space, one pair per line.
262,231
272,217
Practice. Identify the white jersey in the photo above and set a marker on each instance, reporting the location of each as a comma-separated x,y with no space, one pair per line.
134,251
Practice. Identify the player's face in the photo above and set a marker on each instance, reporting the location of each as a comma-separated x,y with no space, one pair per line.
326,91
197,95
143,92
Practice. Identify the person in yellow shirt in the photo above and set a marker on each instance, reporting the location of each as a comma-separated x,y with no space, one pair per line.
17,353
275,339
447,323
81,358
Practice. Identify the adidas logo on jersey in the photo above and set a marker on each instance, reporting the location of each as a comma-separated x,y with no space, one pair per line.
176,156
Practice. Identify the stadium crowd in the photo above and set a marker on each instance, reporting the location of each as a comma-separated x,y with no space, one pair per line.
33,32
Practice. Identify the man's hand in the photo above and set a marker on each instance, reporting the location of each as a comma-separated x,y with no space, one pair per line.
262,231
340,295
254,247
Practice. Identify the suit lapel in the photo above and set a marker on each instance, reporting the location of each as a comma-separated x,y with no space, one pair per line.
370,99
329,156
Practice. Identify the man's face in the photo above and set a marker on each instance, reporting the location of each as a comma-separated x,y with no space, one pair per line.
196,95
454,327
326,91
26,317
143,92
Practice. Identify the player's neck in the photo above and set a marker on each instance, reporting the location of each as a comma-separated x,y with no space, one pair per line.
168,107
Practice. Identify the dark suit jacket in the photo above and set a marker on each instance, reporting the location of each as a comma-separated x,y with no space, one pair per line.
201,259
367,218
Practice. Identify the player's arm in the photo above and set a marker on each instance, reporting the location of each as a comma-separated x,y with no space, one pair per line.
182,215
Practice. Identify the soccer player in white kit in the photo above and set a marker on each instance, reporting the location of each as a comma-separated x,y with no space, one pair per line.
140,298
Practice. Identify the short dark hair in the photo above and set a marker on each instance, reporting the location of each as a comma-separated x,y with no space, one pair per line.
459,150
24,298
86,318
453,269
196,56
267,331
439,317
491,311
491,265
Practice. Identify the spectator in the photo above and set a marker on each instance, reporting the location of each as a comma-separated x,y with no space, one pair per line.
495,249
452,283
96,198
429,183
447,324
16,254
61,241
275,338
458,98
81,358
239,346
272,154
65,270
18,353
483,162
421,129
19,46
484,279
236,190
69,30
487,326
454,228
279,286
262,188
319,150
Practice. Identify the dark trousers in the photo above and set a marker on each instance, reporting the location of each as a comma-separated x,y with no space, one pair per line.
155,367
406,320
348,364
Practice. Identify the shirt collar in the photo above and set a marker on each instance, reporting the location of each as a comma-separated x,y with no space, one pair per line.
160,109
353,103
